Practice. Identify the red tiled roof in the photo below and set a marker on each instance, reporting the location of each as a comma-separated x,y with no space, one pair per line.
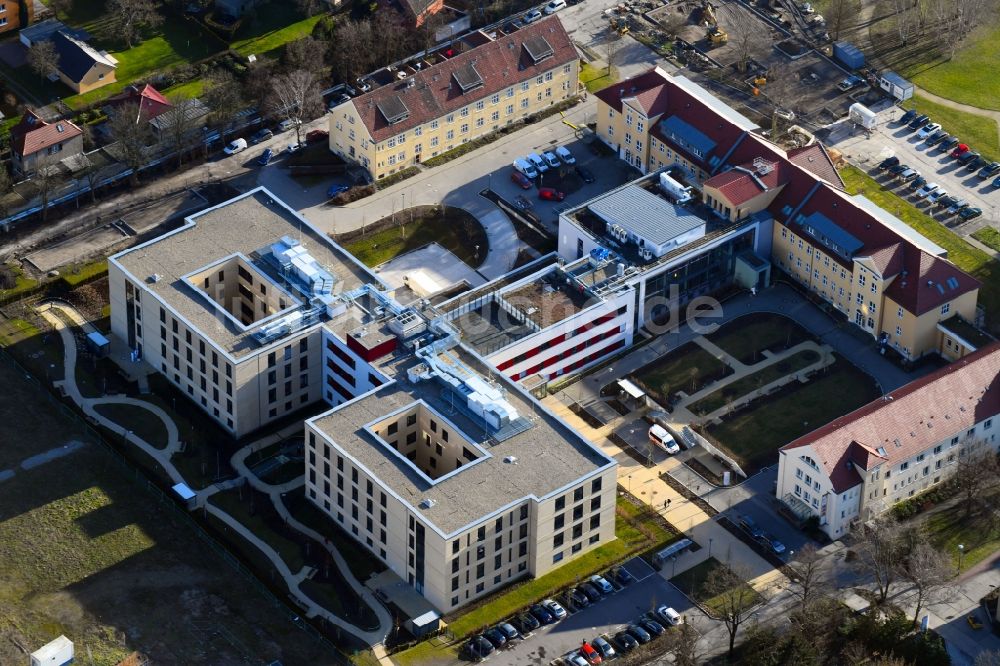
150,101
908,420
814,158
742,183
653,101
930,283
650,80
888,260
433,92
33,134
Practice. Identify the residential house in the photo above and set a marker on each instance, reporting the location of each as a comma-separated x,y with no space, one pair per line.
82,67
418,11
859,465
35,143
148,102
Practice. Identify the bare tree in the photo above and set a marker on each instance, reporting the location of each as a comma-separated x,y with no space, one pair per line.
905,15
6,187
130,129
732,598
306,53
809,582
91,172
976,472
296,96
612,46
46,179
838,13
880,551
42,58
224,99
684,645
133,17
60,6
179,126
928,570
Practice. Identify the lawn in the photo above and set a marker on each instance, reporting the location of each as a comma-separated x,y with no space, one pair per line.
86,552
747,337
969,77
597,78
754,434
137,420
948,527
454,229
977,131
692,583
970,259
189,90
260,517
272,26
754,381
688,368
989,237
630,523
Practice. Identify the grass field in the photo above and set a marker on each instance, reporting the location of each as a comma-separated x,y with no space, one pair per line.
86,552
948,527
969,77
688,368
970,259
255,511
989,237
454,229
597,78
977,131
272,26
754,381
692,583
141,422
747,337
754,434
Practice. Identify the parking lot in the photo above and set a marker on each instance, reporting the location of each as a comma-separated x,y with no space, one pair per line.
890,138
607,616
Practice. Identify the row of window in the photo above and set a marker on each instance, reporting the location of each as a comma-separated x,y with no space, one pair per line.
559,339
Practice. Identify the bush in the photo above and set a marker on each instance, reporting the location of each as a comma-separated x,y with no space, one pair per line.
400,176
353,194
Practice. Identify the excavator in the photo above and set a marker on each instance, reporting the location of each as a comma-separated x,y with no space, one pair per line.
716,36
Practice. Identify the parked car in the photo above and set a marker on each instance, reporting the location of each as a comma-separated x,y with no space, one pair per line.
521,180
312,136
669,615
532,16
536,161
562,152
888,163
522,202
265,157
585,174
479,647
976,164
652,626
626,641
639,633
946,201
527,623
967,157
336,189
293,148
601,584
550,194
526,167
957,206
960,150
288,123
235,146
898,169
908,116
604,647
542,614
553,607
917,183
623,576
261,135
578,598
996,182
937,195
576,659
919,121
850,83
909,174
771,542
970,213
989,170
509,631
554,6
937,137
948,144
592,655
496,637
927,130
926,189
551,160
593,594
750,525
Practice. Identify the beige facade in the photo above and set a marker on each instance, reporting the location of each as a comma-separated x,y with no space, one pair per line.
99,75
350,139
28,165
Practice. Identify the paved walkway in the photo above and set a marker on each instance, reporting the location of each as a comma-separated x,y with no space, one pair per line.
162,457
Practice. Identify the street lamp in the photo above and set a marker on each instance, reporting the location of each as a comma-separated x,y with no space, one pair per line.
629,477
961,552
710,546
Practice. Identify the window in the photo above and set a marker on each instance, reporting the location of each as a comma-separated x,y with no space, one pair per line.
946,308
578,494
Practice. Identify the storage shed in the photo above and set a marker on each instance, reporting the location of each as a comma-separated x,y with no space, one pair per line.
848,55
55,653
98,344
860,114
896,85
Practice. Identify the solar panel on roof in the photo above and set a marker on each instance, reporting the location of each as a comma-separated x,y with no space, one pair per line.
467,77
538,49
393,109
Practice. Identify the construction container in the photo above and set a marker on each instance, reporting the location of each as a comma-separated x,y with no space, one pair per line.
848,55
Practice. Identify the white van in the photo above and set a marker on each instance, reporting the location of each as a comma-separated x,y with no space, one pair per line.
526,167
235,146
659,436
538,162
565,155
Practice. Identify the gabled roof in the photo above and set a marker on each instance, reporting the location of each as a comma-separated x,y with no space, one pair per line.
746,181
33,134
433,91
930,283
888,261
149,100
815,159
76,57
908,420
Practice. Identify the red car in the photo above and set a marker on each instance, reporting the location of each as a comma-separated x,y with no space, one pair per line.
590,654
520,179
317,135
960,150
550,194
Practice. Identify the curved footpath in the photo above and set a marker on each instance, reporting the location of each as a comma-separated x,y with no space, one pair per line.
162,456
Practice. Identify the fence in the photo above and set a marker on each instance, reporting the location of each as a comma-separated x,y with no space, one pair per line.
162,499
